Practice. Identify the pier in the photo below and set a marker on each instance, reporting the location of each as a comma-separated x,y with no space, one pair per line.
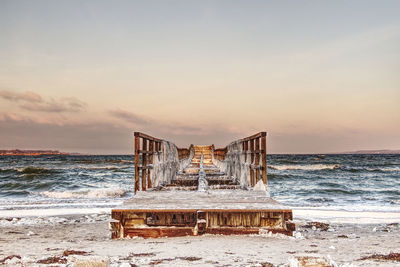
200,190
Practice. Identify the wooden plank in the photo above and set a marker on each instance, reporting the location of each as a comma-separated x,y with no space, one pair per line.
146,136
195,210
146,151
252,162
154,232
264,159
145,167
246,148
256,167
159,147
137,163
151,149
246,230
232,230
260,134
144,164
257,151
257,160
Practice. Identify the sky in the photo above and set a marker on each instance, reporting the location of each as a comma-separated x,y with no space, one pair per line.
317,76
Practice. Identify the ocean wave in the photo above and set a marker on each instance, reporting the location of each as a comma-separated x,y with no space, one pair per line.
337,191
25,185
88,161
109,168
319,199
96,193
7,170
371,169
278,176
306,167
30,170
119,161
102,161
35,170
391,169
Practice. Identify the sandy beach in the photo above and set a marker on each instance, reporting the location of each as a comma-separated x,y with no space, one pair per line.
71,240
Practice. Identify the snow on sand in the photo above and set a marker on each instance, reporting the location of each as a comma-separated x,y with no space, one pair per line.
72,239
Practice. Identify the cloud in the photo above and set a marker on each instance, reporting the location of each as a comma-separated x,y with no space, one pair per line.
148,124
102,137
28,96
63,105
34,102
13,117
128,116
99,137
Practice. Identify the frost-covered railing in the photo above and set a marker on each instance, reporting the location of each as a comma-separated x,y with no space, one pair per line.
157,161
244,159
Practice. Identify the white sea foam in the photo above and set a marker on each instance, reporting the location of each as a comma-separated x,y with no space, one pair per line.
306,167
106,167
96,193
341,216
52,216
391,169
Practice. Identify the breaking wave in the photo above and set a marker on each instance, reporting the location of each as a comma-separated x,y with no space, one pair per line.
35,170
391,169
102,161
371,169
306,167
28,170
295,180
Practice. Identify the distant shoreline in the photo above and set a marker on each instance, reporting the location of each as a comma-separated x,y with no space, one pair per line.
23,152
19,152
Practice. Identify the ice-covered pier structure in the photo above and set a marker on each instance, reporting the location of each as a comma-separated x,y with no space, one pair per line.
200,189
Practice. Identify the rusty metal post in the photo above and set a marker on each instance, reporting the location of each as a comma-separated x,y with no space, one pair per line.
264,157
151,151
137,162
144,164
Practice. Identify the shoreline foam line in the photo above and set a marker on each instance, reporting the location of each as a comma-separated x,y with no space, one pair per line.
340,216
51,212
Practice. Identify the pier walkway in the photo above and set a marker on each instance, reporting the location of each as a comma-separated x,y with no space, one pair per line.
200,190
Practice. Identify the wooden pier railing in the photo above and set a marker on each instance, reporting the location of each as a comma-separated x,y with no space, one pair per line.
158,160
246,158
186,200
220,153
184,152
146,147
255,146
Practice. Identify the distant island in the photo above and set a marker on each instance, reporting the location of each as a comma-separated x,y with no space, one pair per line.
18,152
381,151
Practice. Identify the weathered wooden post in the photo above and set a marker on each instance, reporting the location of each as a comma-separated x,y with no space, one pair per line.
252,162
264,156
257,161
137,162
246,148
144,164
151,151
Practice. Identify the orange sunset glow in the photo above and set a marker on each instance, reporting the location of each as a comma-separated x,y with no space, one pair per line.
82,77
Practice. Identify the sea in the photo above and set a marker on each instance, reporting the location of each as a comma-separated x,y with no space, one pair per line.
79,184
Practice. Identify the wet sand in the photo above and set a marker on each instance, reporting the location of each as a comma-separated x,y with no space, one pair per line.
35,239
